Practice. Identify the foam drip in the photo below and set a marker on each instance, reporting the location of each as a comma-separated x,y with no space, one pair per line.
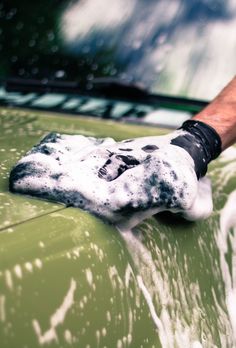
226,240
156,288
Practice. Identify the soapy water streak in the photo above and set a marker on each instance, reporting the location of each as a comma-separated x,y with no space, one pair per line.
56,319
226,240
2,308
156,289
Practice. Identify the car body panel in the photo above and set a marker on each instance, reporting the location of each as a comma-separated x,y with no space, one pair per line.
20,130
69,279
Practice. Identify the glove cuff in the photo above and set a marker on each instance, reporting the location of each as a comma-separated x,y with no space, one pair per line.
202,142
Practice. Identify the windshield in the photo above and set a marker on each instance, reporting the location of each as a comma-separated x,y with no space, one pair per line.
178,47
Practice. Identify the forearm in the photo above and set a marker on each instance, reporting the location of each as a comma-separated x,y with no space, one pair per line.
221,114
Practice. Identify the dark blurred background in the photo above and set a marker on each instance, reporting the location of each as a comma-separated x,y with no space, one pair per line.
178,47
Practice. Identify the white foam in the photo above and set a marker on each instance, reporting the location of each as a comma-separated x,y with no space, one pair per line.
68,336
57,317
2,308
224,239
65,169
89,276
18,271
29,266
176,317
229,154
8,278
38,263
152,309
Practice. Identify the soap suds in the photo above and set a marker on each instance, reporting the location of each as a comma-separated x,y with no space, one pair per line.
18,271
229,154
38,263
154,315
176,326
56,319
224,239
8,278
68,337
2,308
89,276
112,180
29,266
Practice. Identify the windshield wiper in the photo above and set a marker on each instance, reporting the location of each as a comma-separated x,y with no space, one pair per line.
107,88
44,85
115,87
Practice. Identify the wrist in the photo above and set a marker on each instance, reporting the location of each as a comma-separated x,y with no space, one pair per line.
223,121
220,114
201,141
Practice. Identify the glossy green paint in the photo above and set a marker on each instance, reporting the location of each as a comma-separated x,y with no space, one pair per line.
17,135
68,279
20,130
73,250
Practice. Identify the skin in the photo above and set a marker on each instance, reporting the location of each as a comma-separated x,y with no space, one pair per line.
220,114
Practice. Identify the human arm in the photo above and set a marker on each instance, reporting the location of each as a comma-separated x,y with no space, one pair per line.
220,114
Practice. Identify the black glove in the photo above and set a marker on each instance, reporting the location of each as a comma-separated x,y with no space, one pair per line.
202,143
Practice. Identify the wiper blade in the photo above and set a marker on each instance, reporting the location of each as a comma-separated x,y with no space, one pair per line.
44,85
113,87
110,88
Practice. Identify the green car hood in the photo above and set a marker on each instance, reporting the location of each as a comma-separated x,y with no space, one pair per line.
69,280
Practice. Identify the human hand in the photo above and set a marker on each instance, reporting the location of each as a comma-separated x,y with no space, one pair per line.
153,175
169,176
115,180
